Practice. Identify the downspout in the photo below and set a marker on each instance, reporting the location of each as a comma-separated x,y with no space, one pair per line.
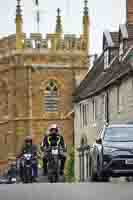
107,107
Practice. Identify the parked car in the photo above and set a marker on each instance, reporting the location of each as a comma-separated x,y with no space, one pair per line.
112,153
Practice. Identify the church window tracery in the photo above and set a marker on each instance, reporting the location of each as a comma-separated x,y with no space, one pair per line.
51,96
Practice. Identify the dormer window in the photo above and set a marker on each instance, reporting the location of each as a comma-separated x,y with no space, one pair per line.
121,49
33,44
106,58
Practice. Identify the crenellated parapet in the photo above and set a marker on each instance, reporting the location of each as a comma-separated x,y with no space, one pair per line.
68,42
51,41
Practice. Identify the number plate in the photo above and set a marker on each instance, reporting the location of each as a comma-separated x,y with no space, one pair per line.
129,162
14,179
54,151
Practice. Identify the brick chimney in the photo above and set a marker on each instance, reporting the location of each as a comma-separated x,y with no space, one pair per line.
129,11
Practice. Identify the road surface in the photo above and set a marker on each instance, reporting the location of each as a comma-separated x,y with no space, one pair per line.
60,191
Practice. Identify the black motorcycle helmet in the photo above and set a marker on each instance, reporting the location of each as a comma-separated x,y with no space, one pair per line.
28,140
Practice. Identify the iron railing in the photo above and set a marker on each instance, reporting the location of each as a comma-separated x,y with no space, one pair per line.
84,152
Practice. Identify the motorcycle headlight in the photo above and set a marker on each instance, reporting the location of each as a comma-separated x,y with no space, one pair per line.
109,150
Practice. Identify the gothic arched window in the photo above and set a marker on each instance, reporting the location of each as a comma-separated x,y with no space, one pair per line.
51,96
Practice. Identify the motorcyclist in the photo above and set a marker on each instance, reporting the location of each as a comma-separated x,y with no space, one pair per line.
12,171
53,139
29,147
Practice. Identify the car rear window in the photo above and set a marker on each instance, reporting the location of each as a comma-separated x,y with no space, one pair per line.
119,134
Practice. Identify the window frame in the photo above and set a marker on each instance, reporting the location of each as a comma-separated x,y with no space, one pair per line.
93,109
51,97
118,99
106,58
121,49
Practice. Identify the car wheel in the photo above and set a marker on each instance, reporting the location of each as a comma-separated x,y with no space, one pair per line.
93,174
101,177
129,179
104,179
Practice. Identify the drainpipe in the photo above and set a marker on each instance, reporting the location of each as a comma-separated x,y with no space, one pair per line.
107,107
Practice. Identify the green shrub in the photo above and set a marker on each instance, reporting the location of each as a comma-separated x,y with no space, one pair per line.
69,166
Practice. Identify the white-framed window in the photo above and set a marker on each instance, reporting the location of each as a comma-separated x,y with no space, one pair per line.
38,44
102,110
33,44
88,116
84,115
93,110
121,49
118,99
81,116
106,59
96,108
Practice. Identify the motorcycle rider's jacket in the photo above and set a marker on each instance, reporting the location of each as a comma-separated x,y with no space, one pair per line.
29,149
12,171
53,140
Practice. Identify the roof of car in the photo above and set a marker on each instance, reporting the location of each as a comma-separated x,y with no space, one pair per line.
119,125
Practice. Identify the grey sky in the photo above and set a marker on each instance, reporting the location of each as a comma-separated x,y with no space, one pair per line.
105,14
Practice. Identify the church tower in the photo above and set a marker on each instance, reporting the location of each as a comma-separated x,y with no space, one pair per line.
19,23
38,80
129,11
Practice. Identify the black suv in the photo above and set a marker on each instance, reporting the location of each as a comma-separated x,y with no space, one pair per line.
112,153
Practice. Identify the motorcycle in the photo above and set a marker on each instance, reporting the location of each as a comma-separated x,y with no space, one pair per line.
10,177
54,163
27,168
12,180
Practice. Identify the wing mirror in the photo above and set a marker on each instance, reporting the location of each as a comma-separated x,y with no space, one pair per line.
99,141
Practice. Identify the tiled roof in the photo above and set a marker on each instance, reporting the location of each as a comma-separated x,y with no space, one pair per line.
92,74
97,78
102,80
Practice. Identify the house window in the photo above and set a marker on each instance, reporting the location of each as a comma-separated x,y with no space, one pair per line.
85,122
93,107
51,97
84,115
106,59
88,113
118,99
121,49
96,109
38,44
83,111
81,116
106,107
34,44
102,107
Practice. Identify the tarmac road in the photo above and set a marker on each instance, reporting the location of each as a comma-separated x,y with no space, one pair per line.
65,191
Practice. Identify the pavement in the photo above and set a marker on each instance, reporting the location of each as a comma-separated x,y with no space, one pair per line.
66,191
